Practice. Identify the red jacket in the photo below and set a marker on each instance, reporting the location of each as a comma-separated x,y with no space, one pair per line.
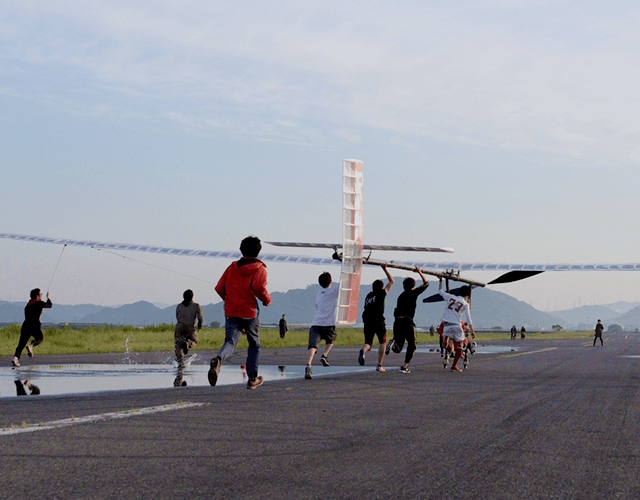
240,285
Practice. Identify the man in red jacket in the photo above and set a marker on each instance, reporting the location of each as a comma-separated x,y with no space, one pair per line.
241,285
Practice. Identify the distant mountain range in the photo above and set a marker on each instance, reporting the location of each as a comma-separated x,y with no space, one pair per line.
489,309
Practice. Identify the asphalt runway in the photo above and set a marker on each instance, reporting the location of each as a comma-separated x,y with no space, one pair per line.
555,419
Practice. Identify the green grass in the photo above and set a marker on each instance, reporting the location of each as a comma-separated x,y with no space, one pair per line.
536,336
97,339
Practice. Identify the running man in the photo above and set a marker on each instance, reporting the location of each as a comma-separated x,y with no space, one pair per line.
324,322
185,335
242,283
31,326
373,318
457,307
403,327
598,333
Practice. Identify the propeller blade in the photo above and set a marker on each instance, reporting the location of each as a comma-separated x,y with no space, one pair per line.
434,298
512,276
438,298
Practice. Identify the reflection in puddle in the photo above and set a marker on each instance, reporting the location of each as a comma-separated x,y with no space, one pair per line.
77,379
480,349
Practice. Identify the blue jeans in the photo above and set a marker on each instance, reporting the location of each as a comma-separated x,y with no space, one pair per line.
232,330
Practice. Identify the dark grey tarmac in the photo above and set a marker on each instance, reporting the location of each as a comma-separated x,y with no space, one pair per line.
556,419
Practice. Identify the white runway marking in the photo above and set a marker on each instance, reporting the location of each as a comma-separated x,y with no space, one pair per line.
6,431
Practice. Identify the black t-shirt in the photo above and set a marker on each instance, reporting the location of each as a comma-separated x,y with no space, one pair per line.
374,307
33,311
407,302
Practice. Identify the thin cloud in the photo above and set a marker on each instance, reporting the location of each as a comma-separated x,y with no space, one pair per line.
516,76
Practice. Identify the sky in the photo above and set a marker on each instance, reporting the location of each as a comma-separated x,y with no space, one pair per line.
508,130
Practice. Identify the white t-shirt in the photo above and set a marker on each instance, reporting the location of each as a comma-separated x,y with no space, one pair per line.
456,308
326,302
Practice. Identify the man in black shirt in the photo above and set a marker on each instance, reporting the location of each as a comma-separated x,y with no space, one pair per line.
282,325
373,318
598,334
31,326
403,327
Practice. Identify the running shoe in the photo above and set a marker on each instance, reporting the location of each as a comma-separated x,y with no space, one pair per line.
324,360
15,362
380,368
404,370
255,383
307,372
387,349
455,369
361,357
214,370
30,350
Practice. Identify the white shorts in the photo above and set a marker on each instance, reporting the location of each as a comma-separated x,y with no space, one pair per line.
454,332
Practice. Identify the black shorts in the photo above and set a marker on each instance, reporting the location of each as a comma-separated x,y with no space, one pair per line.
319,333
375,329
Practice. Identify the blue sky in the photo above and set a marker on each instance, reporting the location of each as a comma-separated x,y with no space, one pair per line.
509,131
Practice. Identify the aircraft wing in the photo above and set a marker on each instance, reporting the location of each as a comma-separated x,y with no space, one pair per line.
520,271
493,266
267,257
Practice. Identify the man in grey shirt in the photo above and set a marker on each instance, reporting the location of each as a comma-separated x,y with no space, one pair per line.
185,334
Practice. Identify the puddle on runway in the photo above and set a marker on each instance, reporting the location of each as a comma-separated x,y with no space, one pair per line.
89,378
480,349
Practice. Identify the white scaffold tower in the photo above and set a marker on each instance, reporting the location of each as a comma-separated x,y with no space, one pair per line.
352,181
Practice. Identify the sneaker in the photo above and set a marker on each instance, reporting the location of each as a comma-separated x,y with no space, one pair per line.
255,383
361,357
30,350
404,370
324,360
380,368
307,372
214,370
387,349
15,362
455,369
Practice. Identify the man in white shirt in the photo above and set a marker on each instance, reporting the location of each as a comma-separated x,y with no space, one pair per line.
457,307
324,322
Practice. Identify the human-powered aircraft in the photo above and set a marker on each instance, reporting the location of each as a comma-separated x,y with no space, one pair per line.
352,254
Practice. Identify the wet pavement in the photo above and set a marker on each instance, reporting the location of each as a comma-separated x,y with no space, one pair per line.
134,371
480,349
56,380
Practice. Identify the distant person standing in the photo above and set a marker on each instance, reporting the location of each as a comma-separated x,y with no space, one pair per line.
373,318
598,333
185,334
432,330
240,287
323,326
404,328
31,325
523,333
514,331
283,326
